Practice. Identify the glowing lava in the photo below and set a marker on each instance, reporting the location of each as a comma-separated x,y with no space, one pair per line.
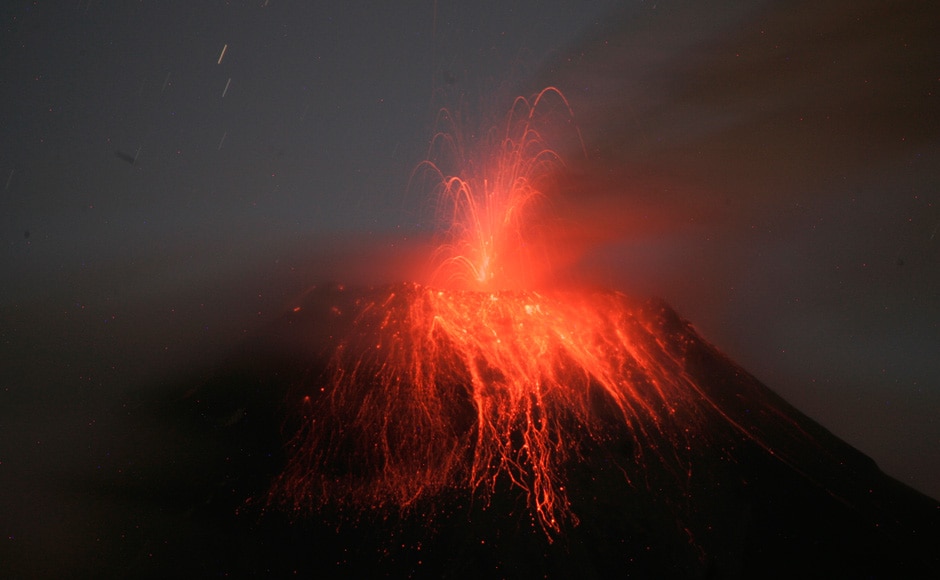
441,389
496,228
475,381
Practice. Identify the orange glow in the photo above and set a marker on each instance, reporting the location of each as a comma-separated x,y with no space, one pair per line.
491,210
445,388
476,379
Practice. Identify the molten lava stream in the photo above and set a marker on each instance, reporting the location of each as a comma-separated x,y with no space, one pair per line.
476,378
440,389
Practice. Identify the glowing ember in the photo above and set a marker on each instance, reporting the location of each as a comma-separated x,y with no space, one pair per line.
475,380
441,389
496,233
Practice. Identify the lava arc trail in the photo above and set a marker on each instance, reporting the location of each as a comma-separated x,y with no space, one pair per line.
474,379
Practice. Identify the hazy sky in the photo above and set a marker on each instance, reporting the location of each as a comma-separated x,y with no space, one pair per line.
173,173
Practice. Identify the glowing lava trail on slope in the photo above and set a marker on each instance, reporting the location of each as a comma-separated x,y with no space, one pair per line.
474,381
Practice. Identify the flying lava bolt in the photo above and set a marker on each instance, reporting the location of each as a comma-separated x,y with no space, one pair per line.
474,380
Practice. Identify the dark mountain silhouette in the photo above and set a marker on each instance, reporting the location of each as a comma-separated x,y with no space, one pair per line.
764,491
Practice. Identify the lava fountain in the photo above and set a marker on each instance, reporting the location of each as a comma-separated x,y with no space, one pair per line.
475,380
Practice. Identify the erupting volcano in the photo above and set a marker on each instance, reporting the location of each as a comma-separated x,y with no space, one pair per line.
476,377
487,382
443,388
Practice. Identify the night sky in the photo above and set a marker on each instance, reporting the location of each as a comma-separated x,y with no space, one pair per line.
176,174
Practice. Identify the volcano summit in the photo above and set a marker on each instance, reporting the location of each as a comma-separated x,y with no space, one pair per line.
431,447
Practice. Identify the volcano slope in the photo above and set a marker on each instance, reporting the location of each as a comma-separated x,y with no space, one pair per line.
268,470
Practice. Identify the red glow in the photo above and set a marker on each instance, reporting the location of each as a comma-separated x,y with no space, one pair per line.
439,388
496,234
476,378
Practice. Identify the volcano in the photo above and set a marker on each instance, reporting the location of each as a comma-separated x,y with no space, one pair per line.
495,422
704,473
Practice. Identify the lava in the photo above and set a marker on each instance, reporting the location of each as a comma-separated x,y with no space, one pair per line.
475,379
494,217
438,389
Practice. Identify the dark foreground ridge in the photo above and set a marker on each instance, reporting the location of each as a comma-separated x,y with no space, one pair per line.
772,494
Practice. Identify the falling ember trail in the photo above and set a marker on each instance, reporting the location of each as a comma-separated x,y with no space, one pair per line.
476,381
443,388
